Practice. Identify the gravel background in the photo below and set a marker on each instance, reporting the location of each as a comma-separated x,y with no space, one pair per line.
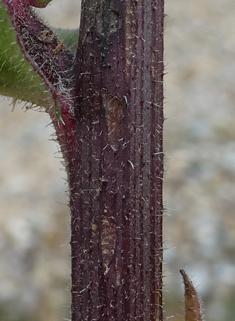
199,178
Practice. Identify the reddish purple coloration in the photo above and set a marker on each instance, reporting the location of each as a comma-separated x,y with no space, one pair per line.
110,132
56,67
119,163
34,3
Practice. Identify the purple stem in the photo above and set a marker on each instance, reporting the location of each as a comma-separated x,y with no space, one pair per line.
110,131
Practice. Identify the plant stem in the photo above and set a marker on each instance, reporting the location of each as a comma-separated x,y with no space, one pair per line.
17,78
108,119
116,167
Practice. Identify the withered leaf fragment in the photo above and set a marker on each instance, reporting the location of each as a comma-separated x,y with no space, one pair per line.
192,301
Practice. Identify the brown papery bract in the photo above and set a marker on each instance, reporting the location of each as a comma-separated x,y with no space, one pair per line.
192,301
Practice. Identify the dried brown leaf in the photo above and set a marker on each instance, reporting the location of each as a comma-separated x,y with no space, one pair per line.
192,302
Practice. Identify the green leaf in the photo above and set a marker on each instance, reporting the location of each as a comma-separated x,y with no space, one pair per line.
17,79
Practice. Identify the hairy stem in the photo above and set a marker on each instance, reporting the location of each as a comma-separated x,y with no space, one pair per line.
108,116
116,169
17,78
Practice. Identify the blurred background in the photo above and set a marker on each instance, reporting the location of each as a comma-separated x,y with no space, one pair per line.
199,189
